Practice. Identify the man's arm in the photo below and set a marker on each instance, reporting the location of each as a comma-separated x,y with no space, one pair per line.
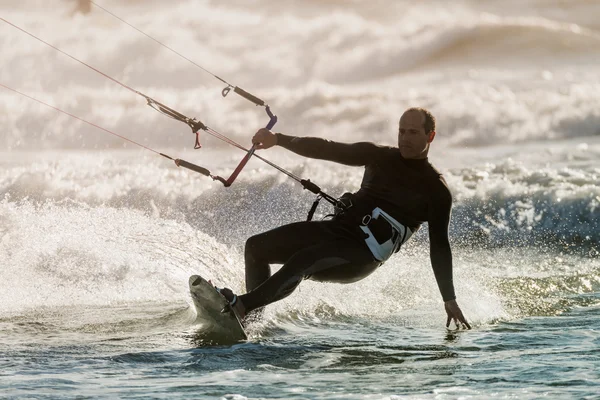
355,154
441,255
440,252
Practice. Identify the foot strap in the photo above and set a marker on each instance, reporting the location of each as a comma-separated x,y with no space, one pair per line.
230,305
231,302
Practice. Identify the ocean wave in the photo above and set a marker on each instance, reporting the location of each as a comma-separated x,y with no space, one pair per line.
510,205
490,78
468,113
505,204
560,292
481,41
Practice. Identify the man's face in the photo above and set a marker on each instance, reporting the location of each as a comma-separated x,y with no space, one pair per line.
412,139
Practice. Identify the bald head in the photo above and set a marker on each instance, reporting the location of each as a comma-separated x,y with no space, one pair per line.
416,131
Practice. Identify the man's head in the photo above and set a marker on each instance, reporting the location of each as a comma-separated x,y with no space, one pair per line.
416,131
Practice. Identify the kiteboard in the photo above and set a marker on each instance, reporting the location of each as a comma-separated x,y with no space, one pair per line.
219,324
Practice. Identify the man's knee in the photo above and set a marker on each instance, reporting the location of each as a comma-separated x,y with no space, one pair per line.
254,246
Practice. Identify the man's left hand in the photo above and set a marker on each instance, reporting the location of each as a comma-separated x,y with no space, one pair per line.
456,315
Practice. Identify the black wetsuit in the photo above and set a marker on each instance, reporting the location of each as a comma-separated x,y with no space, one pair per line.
411,191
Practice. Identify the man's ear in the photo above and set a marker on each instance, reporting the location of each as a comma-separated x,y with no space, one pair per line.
431,137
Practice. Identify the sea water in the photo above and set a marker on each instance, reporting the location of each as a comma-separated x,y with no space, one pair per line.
98,237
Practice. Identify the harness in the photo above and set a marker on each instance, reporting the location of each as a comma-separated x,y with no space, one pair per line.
383,234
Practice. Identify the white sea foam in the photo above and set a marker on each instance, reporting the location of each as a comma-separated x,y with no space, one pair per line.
513,86
66,253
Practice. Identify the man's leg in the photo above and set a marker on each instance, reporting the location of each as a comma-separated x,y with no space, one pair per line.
277,246
340,261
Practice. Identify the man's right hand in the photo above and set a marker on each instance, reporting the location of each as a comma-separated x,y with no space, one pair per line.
455,314
264,139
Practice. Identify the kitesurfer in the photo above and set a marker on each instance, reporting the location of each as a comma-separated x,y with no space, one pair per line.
400,191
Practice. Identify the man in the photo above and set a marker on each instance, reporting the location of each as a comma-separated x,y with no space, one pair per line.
400,190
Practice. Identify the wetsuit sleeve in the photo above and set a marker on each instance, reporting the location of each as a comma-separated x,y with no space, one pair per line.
441,254
354,154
